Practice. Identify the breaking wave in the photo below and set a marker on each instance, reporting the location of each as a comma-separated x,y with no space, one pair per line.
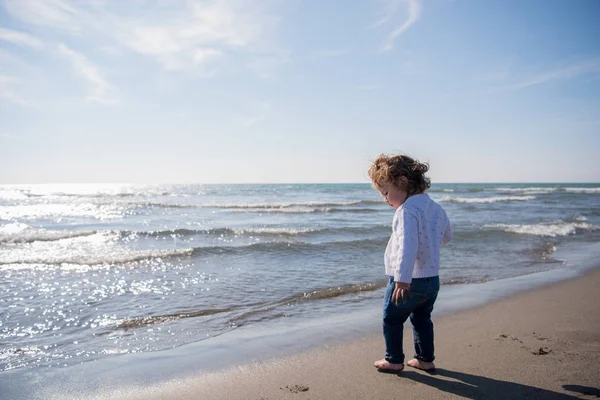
583,190
486,199
111,258
265,231
22,233
259,311
551,230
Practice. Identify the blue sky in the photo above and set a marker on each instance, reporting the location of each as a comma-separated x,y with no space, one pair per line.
238,91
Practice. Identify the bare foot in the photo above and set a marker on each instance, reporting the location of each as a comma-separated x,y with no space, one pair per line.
424,365
386,366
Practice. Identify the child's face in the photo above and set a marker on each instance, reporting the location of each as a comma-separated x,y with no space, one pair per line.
392,194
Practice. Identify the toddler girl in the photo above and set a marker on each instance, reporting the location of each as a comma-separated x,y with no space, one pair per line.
412,258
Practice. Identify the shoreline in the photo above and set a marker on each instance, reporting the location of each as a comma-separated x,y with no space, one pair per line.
529,345
256,349
543,343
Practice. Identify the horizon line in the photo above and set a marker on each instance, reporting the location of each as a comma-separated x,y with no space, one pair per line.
303,183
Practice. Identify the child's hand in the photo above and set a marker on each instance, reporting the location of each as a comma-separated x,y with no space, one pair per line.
402,291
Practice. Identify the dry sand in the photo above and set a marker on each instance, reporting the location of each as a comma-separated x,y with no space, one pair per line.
542,344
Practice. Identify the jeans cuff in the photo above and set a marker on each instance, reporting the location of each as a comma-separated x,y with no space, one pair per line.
395,360
421,358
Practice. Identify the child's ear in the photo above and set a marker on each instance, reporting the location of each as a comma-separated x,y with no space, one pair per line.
403,182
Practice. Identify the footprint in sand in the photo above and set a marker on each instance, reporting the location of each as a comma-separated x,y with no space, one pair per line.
538,337
539,352
503,336
542,351
295,388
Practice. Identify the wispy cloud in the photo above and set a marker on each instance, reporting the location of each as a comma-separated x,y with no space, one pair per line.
10,97
6,80
7,94
99,88
259,112
203,32
20,38
587,67
188,35
6,136
47,13
392,7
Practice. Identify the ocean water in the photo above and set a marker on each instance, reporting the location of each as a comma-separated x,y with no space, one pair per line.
93,271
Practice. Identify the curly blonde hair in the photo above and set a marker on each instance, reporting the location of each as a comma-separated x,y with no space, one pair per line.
389,168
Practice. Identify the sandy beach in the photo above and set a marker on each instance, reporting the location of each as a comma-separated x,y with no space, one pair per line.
541,344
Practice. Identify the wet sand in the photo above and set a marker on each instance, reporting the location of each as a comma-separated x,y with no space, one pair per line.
540,344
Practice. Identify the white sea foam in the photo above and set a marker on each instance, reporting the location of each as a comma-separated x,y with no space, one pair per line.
525,189
547,190
433,190
583,190
276,231
13,228
9,194
57,210
74,189
26,256
552,230
275,210
101,248
22,233
278,205
494,199
530,192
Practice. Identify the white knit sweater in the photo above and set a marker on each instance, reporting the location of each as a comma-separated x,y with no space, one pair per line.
420,227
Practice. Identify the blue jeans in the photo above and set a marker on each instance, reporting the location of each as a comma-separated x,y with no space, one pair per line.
418,307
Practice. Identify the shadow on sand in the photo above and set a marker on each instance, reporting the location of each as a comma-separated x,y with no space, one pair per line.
480,387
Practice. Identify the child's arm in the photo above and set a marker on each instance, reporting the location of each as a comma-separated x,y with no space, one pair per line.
407,231
448,234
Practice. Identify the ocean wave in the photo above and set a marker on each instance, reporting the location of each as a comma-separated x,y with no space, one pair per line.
494,199
547,190
582,190
436,190
551,230
266,231
262,205
60,195
530,192
304,211
119,257
265,310
136,322
7,194
261,231
544,252
84,190
258,311
22,233
293,247
293,204
525,189
159,204
111,258
57,210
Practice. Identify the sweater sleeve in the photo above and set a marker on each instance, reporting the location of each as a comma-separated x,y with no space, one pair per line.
448,234
408,241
